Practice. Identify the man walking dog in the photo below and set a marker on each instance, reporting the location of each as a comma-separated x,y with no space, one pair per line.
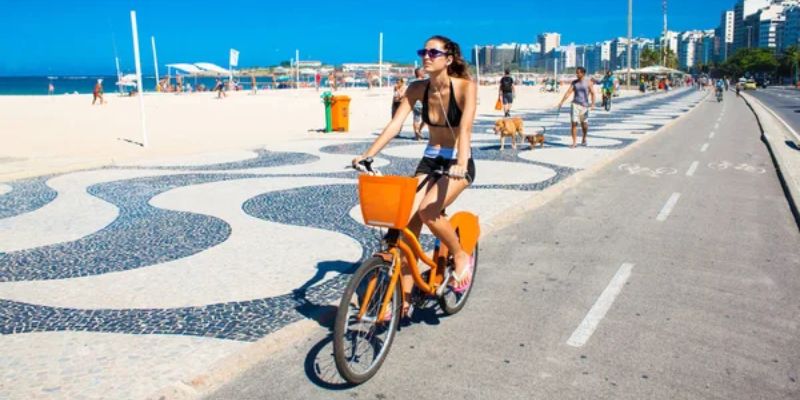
583,89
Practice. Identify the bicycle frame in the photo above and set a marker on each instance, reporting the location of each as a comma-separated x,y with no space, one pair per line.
411,248
411,253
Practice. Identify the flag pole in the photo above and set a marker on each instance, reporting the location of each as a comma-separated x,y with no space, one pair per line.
139,76
155,58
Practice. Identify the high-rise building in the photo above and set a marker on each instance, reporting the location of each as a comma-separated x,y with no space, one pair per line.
770,26
570,56
505,55
619,52
484,56
549,41
743,33
791,28
723,41
529,56
695,48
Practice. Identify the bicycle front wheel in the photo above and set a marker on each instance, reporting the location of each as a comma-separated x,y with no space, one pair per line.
362,337
608,104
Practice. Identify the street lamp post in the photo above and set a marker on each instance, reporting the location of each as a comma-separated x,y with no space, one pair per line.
630,39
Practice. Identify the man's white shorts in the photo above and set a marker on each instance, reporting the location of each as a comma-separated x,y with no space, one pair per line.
579,114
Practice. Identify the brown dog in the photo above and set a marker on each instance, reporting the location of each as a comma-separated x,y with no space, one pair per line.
535,139
509,127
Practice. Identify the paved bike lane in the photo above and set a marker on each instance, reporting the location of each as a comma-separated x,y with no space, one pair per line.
687,296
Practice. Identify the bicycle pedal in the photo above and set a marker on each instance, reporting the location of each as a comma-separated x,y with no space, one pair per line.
445,279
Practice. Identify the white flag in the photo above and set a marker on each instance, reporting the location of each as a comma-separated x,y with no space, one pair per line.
234,57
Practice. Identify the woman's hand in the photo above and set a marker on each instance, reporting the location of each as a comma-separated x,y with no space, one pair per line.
458,171
356,161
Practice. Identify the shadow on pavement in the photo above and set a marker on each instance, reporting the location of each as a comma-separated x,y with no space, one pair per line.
320,366
792,145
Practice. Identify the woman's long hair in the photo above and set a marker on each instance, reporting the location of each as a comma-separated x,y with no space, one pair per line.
458,67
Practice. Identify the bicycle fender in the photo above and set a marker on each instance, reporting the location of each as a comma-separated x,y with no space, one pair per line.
468,229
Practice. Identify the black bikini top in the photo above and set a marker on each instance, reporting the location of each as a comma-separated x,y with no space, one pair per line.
453,112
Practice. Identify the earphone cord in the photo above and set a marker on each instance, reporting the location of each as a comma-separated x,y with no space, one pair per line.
444,113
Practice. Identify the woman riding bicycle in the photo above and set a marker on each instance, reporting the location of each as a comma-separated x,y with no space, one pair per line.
448,101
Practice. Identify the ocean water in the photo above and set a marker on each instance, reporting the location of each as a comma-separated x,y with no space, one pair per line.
37,85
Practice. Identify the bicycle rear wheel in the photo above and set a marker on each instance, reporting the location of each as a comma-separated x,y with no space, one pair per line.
361,344
452,302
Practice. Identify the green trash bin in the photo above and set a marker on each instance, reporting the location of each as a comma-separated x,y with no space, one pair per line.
327,99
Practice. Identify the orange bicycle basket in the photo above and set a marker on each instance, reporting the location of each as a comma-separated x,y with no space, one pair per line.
386,201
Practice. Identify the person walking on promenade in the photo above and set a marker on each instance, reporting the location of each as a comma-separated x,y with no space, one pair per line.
506,92
398,95
449,99
582,90
417,109
97,93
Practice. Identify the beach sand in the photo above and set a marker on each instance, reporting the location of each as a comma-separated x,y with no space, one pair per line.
44,135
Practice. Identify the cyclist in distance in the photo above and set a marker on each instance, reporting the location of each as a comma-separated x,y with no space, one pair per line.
449,99
719,86
608,83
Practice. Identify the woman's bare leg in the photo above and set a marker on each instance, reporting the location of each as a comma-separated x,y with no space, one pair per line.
441,195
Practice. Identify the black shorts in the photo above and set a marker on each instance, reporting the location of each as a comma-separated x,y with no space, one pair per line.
428,165
508,97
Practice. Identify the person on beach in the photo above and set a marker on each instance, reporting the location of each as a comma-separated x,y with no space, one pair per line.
449,98
582,89
97,93
417,109
317,80
220,88
398,95
51,89
506,92
332,81
253,84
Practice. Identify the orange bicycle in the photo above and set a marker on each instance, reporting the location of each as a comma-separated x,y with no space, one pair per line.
369,312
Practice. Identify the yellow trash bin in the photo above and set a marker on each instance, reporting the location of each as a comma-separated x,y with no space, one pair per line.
340,113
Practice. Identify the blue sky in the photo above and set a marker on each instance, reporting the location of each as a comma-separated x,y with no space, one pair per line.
40,37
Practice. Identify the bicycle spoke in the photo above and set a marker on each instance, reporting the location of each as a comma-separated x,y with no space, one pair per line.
364,342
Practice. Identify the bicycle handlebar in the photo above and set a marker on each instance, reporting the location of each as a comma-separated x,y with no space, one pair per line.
365,165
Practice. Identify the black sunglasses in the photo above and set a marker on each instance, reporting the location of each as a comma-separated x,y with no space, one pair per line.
432,53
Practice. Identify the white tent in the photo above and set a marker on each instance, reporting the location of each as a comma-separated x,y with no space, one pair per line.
651,70
657,70
186,68
209,67
127,80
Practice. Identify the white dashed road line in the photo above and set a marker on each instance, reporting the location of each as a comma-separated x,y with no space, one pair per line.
692,168
667,209
704,148
598,311
711,135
